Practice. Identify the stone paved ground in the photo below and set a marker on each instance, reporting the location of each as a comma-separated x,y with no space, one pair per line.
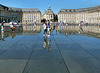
72,54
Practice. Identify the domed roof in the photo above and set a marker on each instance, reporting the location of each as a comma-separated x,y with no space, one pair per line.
49,11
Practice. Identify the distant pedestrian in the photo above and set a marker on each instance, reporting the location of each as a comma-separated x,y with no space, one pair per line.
66,26
12,26
26,25
60,25
86,24
82,23
17,25
2,26
34,26
80,27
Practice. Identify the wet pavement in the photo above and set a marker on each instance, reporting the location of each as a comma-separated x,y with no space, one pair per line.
58,54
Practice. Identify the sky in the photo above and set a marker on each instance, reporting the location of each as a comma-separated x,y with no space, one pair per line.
56,5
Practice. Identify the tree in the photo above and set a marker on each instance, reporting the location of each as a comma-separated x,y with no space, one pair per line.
55,18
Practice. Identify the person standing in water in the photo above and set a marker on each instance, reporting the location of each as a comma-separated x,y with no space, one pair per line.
35,26
60,25
80,27
66,26
45,29
17,26
2,27
66,29
26,25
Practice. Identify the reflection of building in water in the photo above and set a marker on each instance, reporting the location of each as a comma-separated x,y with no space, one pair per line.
10,34
95,30
30,33
13,34
87,15
37,28
31,28
17,14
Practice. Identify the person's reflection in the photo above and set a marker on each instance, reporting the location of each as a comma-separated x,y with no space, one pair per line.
66,30
60,31
34,26
26,25
45,42
56,31
49,45
56,28
3,37
66,33
81,27
13,35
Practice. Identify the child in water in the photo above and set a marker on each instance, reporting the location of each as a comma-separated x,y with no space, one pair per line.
2,27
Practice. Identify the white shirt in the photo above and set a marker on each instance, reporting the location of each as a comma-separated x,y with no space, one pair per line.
44,26
79,25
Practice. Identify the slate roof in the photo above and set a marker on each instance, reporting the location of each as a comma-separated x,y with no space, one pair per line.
80,10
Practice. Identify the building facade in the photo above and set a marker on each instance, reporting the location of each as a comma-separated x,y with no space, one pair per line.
17,14
48,15
10,14
31,16
87,15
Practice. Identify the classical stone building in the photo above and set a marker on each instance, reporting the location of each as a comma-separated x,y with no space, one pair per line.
31,16
10,14
17,14
87,15
48,15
